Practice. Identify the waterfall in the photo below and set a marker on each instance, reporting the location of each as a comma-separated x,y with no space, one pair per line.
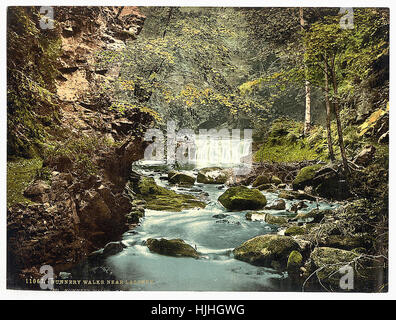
221,152
201,150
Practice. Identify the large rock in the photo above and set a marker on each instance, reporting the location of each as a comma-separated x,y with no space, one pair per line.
326,266
162,199
242,198
294,262
365,156
37,190
325,181
180,178
173,247
294,231
305,176
113,248
260,180
214,175
267,251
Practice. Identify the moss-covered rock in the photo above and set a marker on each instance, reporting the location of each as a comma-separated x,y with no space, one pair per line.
271,219
294,262
326,263
162,199
294,231
299,195
305,176
242,198
135,215
173,247
213,175
20,173
267,250
180,178
260,180
275,180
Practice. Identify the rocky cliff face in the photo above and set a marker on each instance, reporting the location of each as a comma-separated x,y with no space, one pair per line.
74,212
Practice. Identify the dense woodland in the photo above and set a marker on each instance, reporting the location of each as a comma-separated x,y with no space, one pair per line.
314,92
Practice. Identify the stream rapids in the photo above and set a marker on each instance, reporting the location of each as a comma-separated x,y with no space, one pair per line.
214,233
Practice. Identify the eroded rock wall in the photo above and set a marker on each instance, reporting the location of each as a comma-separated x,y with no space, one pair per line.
73,214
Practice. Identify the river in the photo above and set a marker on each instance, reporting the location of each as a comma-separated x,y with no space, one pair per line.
213,236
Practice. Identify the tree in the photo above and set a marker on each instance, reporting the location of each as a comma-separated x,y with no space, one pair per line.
345,56
307,119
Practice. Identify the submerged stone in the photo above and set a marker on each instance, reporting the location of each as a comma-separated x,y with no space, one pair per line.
173,247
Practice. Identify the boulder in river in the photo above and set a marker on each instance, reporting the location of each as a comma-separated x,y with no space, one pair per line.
113,248
279,204
180,178
242,198
264,186
162,199
267,250
260,180
214,175
173,247
298,206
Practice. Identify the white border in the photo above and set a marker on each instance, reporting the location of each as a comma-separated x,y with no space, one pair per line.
189,295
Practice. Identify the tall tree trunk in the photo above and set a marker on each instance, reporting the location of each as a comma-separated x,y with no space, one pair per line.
328,113
338,120
307,121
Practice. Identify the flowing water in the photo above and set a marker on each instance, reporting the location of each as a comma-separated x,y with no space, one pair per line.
213,231
213,236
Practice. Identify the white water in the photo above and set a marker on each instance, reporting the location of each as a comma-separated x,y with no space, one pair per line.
212,151
222,152
214,237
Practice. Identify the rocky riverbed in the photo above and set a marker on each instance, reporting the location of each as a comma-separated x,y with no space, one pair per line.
204,244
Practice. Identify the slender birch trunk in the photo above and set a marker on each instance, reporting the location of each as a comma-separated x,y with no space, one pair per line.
307,119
